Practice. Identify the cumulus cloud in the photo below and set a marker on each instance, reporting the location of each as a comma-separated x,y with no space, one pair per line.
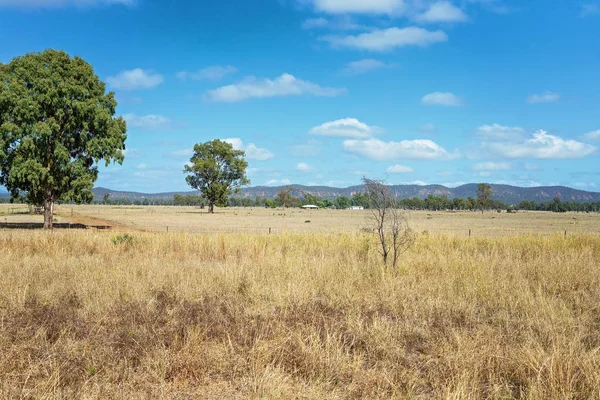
399,169
379,150
304,167
546,97
61,3
346,127
135,79
492,166
442,11
387,39
359,6
150,122
284,85
497,131
541,145
442,99
252,151
593,136
214,73
363,66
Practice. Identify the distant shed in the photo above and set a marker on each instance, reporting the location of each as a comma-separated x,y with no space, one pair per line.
310,207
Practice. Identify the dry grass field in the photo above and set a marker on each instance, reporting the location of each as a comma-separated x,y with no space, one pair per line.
259,220
226,315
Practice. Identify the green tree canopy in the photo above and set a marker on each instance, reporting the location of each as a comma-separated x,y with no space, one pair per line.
216,170
484,195
56,125
342,202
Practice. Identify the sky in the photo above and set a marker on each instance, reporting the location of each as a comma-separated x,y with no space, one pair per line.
323,92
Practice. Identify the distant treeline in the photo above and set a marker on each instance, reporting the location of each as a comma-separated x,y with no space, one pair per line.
431,203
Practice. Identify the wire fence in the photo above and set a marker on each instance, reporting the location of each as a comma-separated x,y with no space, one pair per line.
473,232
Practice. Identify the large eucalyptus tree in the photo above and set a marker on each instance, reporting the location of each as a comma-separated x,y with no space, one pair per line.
56,125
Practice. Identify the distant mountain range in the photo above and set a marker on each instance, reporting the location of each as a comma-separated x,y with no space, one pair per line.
505,193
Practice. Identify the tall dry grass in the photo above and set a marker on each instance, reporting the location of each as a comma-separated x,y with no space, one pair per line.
297,316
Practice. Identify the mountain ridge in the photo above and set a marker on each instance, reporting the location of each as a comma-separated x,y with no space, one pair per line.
505,193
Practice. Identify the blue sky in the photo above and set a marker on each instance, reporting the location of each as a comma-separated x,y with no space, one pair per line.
320,92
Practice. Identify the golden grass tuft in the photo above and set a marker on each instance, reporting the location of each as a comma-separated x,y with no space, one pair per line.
297,316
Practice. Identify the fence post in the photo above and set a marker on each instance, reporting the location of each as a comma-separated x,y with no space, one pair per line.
269,231
565,234
167,229
469,233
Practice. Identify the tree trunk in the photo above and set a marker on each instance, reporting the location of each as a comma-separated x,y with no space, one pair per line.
211,207
48,214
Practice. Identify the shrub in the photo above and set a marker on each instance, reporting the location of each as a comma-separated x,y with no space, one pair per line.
125,240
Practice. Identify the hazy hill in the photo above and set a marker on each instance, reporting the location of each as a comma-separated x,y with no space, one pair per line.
505,193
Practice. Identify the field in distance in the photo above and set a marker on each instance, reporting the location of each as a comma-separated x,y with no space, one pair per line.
261,220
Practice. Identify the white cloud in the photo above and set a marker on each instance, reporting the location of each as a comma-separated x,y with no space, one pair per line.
593,136
399,169
284,85
252,151
363,66
418,183
387,39
376,149
453,184
141,166
442,11
136,79
546,97
522,183
151,122
492,166
500,132
61,3
359,6
278,182
214,73
442,99
304,167
346,127
541,145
